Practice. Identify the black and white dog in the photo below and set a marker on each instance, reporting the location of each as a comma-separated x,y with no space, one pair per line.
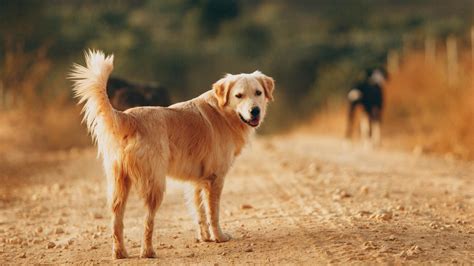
368,94
124,94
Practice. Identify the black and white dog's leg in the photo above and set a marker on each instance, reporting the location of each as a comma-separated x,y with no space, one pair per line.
353,97
375,126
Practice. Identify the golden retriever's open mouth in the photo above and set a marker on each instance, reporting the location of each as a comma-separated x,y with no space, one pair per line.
254,122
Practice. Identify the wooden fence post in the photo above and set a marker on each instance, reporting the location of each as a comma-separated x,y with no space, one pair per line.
452,60
430,50
406,44
393,61
472,55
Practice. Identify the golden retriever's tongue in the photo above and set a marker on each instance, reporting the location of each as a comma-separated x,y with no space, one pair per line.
254,121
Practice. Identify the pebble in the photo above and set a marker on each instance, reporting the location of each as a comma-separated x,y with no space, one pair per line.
434,225
364,190
369,245
402,254
341,194
411,252
447,227
15,240
96,215
59,230
384,249
246,206
51,245
383,215
249,250
23,255
101,228
364,213
39,230
60,221
400,208
415,249
191,255
169,247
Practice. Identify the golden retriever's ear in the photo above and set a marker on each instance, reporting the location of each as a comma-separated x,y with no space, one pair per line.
222,88
267,83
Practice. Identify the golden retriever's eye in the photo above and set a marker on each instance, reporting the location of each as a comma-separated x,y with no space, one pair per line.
239,95
258,92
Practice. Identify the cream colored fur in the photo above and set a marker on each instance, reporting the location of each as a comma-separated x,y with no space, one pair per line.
194,141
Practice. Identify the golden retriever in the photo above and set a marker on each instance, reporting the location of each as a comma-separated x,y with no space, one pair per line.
194,141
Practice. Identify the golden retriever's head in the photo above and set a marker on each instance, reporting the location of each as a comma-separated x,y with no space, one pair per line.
246,94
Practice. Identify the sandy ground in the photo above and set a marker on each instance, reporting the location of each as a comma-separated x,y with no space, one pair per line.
310,200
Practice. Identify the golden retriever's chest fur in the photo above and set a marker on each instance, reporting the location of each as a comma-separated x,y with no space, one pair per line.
193,139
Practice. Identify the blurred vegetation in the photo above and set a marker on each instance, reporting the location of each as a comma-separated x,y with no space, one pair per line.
313,49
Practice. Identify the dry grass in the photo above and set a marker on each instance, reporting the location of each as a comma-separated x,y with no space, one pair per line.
423,111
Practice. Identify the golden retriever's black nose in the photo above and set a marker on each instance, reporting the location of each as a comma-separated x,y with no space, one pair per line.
255,112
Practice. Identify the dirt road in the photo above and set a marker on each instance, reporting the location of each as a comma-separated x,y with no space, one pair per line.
310,200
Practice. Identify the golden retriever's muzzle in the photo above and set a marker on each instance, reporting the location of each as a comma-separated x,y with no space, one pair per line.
254,117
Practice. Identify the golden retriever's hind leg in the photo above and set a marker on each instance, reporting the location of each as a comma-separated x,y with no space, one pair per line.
120,188
212,195
196,208
153,199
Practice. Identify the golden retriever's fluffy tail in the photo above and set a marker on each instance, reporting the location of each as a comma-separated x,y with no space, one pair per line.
90,86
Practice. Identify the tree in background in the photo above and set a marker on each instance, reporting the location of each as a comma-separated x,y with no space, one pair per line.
313,49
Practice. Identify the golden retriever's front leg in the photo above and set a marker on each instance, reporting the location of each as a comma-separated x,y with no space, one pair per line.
196,208
212,195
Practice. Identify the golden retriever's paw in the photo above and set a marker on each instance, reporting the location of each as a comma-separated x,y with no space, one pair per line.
119,253
147,253
203,236
202,239
223,237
